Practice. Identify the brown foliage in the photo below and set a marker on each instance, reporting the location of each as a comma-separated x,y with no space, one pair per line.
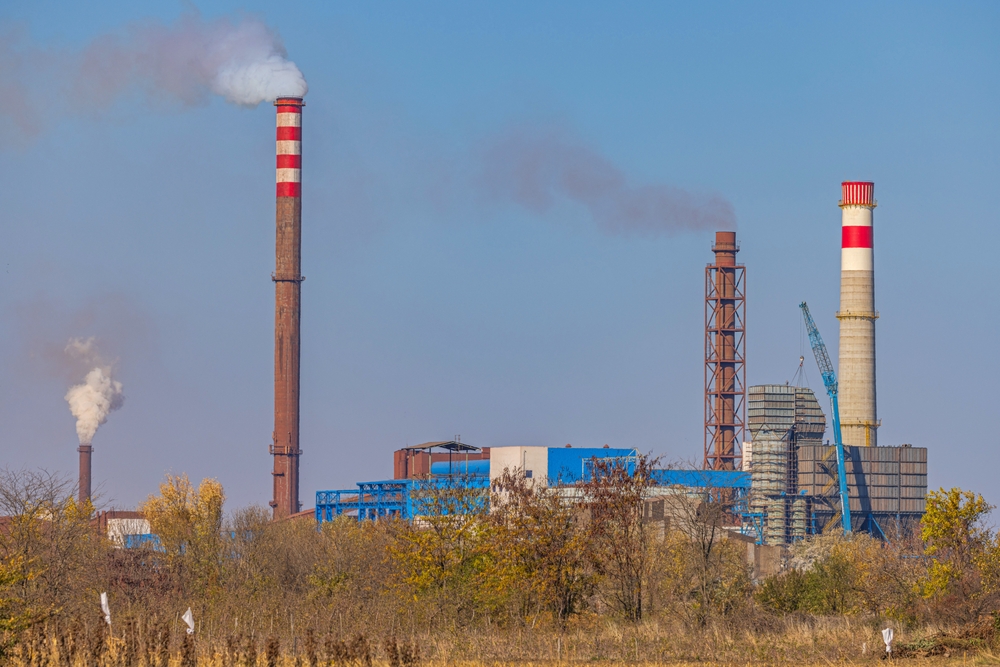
539,544
553,574
619,543
188,658
272,651
405,654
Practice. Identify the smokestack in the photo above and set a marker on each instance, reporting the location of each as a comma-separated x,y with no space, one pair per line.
725,355
287,307
91,402
85,453
856,373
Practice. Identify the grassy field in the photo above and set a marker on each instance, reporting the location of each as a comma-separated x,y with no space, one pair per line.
833,641
288,661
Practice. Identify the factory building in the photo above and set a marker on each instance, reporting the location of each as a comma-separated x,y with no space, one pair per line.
794,483
422,460
793,413
784,476
795,474
887,486
457,464
781,419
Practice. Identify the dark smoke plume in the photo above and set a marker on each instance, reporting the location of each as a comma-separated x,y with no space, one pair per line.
241,60
535,168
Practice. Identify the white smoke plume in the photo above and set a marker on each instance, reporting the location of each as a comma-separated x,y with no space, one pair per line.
534,167
240,59
98,396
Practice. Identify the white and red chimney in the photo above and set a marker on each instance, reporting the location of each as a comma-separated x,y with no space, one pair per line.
856,372
288,279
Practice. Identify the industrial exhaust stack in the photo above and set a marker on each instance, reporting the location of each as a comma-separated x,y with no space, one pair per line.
856,373
86,451
725,355
287,307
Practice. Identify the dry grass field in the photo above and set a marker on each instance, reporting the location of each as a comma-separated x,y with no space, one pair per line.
834,641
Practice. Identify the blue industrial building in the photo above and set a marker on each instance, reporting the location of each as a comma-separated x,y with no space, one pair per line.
562,467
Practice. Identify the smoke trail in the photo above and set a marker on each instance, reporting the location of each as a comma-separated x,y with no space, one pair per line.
241,60
534,168
98,396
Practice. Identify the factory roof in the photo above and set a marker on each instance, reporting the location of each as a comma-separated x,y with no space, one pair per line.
450,445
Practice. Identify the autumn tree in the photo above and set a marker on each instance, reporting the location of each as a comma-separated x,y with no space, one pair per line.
963,552
354,568
47,546
703,571
15,613
612,494
853,575
442,551
539,544
188,524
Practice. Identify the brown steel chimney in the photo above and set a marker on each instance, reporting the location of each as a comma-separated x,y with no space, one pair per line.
287,307
725,355
84,492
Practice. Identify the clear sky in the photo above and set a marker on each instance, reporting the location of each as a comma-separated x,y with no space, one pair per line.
430,310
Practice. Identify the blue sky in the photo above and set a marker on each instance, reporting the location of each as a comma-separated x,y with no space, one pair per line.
429,311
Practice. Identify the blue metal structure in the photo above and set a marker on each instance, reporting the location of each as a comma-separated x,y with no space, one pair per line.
393,498
139,540
715,479
569,465
753,524
405,498
830,382
371,500
474,467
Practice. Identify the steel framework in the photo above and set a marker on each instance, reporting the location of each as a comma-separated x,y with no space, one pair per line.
725,356
371,500
401,498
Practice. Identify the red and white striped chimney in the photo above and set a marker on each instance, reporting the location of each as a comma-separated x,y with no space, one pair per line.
856,372
287,306
289,146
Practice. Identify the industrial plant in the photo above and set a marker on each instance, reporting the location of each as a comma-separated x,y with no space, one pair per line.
765,446
576,378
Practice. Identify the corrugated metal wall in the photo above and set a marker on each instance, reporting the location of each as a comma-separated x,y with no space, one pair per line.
883,480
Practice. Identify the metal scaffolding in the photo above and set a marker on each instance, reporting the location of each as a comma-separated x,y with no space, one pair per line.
370,501
725,355
404,498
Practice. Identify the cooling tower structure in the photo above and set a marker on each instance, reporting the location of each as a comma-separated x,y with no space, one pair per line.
856,374
725,355
287,307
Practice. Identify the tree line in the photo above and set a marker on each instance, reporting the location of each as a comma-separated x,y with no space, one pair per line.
568,570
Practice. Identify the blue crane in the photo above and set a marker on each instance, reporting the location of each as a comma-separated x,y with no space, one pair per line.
830,381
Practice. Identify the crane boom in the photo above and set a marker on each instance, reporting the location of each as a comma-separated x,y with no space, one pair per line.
830,382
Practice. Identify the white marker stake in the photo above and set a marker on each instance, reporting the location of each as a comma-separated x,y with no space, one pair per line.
887,635
188,618
105,608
